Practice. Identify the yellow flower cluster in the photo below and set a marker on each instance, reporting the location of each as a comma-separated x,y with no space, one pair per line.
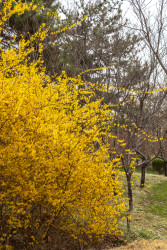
51,173
68,26
142,135
19,8
95,69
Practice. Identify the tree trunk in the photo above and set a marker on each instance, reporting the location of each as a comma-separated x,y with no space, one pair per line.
130,196
165,168
143,174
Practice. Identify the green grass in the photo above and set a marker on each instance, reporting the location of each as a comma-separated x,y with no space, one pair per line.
148,218
157,198
150,171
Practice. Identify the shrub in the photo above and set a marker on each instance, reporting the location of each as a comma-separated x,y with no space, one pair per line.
51,177
158,165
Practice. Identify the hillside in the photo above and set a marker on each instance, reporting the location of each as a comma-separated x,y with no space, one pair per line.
149,216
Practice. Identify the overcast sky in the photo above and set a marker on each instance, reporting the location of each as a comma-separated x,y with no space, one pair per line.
150,7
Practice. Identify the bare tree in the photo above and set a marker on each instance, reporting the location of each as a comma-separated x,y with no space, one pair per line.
153,27
100,41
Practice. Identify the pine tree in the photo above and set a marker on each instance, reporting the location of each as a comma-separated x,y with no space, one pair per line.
28,23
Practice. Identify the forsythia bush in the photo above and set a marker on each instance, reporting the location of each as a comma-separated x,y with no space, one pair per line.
51,176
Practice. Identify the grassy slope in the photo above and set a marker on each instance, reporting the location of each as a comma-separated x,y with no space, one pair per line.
149,216
148,229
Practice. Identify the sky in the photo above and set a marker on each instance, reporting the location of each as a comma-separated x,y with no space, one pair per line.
126,8
150,8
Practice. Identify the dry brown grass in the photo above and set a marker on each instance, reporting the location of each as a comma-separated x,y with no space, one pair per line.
144,244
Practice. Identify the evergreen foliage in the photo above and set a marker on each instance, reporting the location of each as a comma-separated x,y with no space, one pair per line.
158,165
